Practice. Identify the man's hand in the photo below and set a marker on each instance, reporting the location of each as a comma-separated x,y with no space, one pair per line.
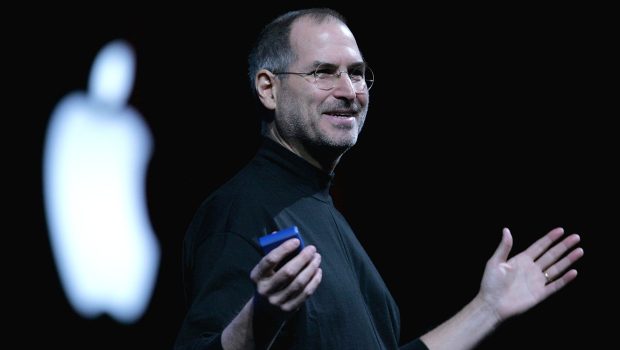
514,286
508,288
286,289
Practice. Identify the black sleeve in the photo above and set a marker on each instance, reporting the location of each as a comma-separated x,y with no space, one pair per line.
417,344
213,343
218,286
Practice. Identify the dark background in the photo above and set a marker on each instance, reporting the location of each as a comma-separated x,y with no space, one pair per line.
480,118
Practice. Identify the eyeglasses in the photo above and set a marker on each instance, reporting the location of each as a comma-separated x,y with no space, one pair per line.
326,75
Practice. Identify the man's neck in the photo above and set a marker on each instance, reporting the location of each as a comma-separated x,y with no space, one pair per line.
326,161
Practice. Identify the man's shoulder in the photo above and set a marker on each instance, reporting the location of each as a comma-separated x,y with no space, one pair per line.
249,184
243,204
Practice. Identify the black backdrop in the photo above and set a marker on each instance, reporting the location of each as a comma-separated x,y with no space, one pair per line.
480,118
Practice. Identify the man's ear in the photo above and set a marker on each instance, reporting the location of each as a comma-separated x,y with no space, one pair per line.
265,88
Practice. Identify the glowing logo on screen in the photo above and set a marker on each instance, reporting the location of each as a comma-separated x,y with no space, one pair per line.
96,154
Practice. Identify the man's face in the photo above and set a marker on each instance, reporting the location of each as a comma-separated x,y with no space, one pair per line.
308,114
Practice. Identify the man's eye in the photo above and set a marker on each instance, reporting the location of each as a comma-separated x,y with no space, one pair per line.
324,71
357,73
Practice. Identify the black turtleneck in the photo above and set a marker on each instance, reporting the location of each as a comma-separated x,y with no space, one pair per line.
351,309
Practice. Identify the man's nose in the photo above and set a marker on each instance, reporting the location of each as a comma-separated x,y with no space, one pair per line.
343,86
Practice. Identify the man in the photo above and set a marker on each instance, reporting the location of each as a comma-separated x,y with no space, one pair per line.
307,69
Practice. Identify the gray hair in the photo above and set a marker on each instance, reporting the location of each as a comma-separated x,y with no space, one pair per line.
272,50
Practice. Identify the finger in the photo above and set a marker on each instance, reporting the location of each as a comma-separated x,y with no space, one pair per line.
502,251
274,281
556,252
541,245
268,263
556,269
560,282
296,302
287,273
298,284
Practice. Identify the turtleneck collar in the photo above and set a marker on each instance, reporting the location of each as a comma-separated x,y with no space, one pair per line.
310,179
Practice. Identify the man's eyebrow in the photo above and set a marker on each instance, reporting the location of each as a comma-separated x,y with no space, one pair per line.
333,65
361,64
319,63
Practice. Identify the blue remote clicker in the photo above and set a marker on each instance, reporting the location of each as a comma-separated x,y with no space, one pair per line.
271,241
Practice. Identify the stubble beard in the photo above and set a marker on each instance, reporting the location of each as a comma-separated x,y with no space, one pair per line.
305,126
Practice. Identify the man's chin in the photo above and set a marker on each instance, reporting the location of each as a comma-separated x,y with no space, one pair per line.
342,142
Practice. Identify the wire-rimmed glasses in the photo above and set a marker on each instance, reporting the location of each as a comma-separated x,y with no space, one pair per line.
326,75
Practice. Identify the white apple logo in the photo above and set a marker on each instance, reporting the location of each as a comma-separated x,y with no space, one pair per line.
94,169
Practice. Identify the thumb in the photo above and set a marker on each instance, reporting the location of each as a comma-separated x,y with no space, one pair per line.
502,251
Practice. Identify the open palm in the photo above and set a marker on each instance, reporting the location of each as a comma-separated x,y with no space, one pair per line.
515,285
